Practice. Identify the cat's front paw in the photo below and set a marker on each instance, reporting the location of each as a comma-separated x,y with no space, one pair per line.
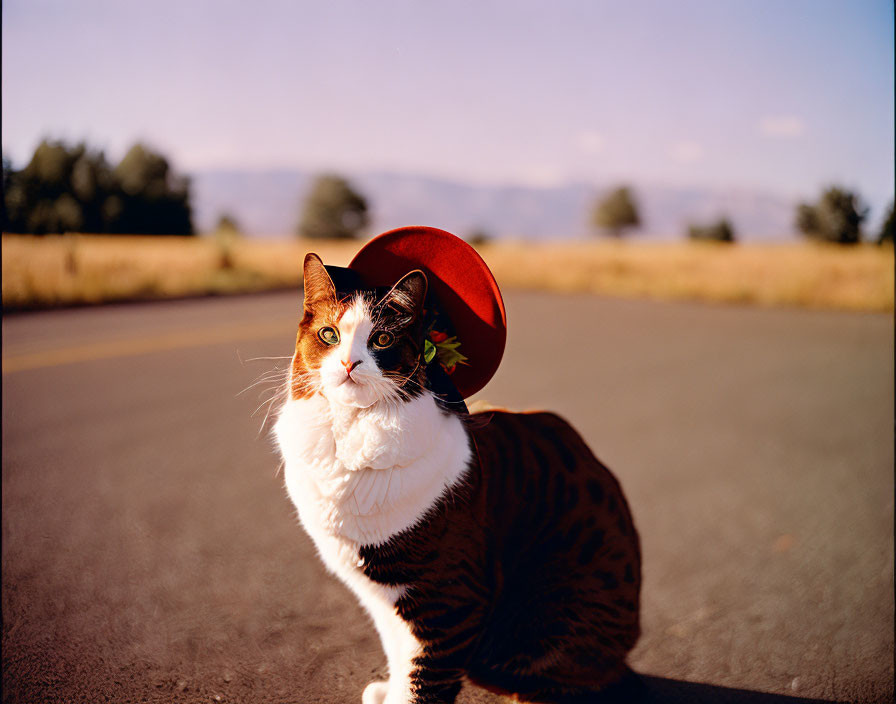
375,693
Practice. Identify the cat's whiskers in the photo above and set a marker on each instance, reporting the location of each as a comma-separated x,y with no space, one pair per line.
407,378
309,379
405,384
278,392
270,403
243,362
276,384
382,387
263,359
275,396
278,376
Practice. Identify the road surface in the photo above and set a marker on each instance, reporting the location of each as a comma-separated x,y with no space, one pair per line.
150,552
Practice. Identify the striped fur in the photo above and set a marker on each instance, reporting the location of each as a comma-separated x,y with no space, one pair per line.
526,578
493,547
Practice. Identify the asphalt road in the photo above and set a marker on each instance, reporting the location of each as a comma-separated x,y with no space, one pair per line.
150,553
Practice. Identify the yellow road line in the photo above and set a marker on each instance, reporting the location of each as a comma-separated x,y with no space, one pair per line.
133,346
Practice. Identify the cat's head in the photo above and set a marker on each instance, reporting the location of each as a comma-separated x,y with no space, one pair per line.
362,348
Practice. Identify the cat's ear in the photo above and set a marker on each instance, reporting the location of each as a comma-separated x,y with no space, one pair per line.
409,293
319,286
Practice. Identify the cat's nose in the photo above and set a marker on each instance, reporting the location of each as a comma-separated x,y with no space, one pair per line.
349,365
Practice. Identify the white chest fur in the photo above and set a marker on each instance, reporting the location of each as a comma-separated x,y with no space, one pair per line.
358,476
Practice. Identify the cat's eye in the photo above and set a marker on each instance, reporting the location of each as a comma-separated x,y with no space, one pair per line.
328,335
382,340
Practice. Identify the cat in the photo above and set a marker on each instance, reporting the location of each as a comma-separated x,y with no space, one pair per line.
491,547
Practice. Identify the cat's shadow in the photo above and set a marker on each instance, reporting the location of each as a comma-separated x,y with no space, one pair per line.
647,689
660,690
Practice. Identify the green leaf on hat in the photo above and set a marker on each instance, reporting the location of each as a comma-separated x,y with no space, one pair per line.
448,354
429,351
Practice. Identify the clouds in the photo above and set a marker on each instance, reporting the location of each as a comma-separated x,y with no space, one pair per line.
732,94
690,151
590,142
685,151
542,175
782,126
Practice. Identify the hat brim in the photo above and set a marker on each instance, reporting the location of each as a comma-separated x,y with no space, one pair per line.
465,288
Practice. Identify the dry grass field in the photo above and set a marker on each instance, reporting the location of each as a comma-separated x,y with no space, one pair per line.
77,269
801,274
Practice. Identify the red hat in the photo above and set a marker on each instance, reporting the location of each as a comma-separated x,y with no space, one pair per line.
462,283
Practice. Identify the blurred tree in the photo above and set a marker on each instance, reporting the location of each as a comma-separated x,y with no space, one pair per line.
61,189
153,200
886,230
73,189
227,232
92,185
479,236
333,209
31,194
616,211
7,181
718,232
837,217
228,223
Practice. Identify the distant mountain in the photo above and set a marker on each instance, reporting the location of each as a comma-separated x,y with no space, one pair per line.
268,203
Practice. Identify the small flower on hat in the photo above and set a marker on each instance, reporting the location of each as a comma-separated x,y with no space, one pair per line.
439,344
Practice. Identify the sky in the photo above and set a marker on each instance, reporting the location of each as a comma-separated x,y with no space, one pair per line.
783,96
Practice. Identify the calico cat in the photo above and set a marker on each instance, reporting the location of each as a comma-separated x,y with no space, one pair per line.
490,547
